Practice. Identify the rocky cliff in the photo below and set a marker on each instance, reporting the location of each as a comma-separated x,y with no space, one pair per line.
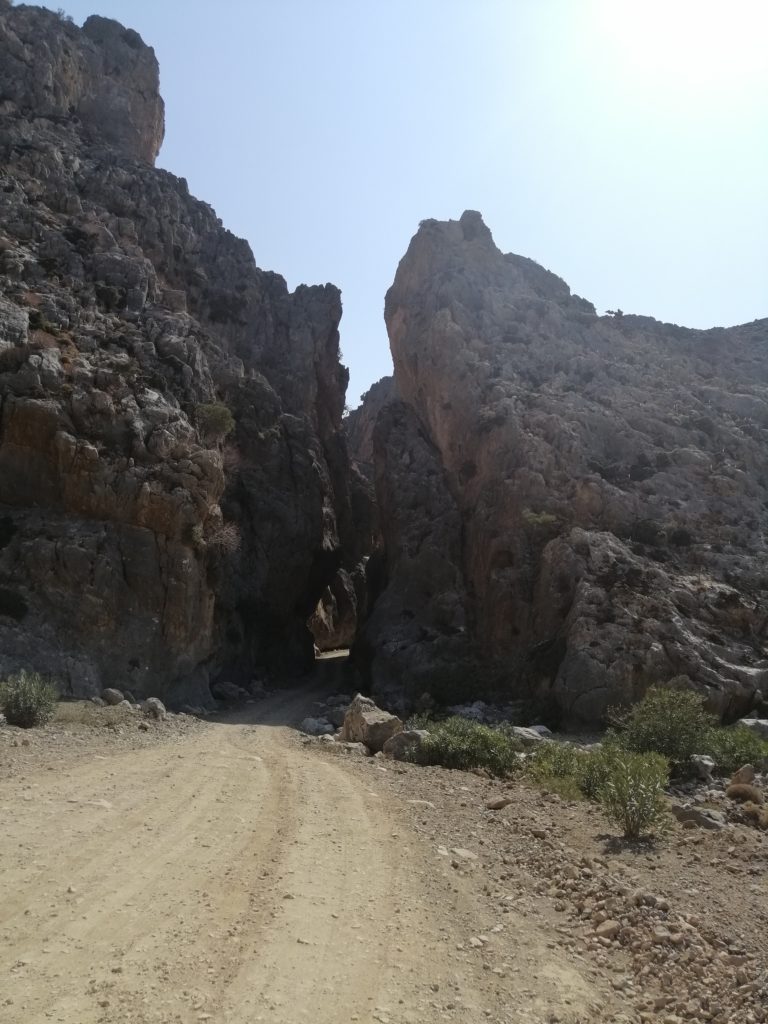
572,505
173,474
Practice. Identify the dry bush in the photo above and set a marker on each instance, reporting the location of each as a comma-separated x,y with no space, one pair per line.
226,538
756,815
743,792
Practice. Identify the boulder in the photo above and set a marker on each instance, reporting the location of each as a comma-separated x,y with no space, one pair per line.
110,696
744,776
528,736
153,707
703,765
407,745
228,692
694,817
335,716
365,723
498,803
759,726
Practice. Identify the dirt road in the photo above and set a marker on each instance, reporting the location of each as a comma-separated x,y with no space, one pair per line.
236,877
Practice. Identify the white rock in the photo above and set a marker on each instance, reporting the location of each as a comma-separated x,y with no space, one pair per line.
528,737
368,724
703,765
756,725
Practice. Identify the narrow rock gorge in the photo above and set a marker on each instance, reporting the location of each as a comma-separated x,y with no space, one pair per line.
174,485
572,506
543,503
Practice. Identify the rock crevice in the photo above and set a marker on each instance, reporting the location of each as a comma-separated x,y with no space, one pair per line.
173,473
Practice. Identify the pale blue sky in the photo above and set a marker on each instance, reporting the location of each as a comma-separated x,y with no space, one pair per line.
623,144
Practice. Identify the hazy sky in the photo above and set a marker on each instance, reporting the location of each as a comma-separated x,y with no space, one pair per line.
622,144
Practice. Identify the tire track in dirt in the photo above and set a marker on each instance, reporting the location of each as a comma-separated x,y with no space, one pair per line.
237,878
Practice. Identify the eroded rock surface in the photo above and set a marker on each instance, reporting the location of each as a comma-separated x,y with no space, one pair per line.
572,504
173,474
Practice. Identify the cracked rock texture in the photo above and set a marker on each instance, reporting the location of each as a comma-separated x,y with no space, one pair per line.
149,539
572,505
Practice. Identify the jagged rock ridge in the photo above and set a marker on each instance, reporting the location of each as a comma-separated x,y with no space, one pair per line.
143,543
571,505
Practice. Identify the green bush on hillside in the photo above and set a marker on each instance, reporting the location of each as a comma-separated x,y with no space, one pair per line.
733,746
570,771
632,795
215,420
27,700
669,722
459,743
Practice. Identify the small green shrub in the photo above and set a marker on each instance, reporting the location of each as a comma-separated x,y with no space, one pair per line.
458,743
420,720
539,520
27,700
555,761
596,768
215,420
733,746
669,722
632,795
570,771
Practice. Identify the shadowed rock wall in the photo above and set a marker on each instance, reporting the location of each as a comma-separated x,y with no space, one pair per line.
149,538
571,504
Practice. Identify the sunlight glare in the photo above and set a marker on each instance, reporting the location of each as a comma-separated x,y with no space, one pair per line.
696,43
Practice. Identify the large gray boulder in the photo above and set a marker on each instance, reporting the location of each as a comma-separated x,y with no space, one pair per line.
112,696
366,723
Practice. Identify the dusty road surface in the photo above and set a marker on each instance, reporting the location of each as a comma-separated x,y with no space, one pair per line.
237,877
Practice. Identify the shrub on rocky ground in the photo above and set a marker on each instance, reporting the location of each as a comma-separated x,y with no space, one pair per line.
632,796
570,771
459,743
744,793
27,699
668,722
733,746
558,767
215,420
755,815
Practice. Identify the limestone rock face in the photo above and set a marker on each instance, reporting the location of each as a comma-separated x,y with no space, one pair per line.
573,504
361,422
173,472
103,79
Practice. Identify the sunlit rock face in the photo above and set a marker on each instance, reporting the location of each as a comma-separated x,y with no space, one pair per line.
572,505
173,472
